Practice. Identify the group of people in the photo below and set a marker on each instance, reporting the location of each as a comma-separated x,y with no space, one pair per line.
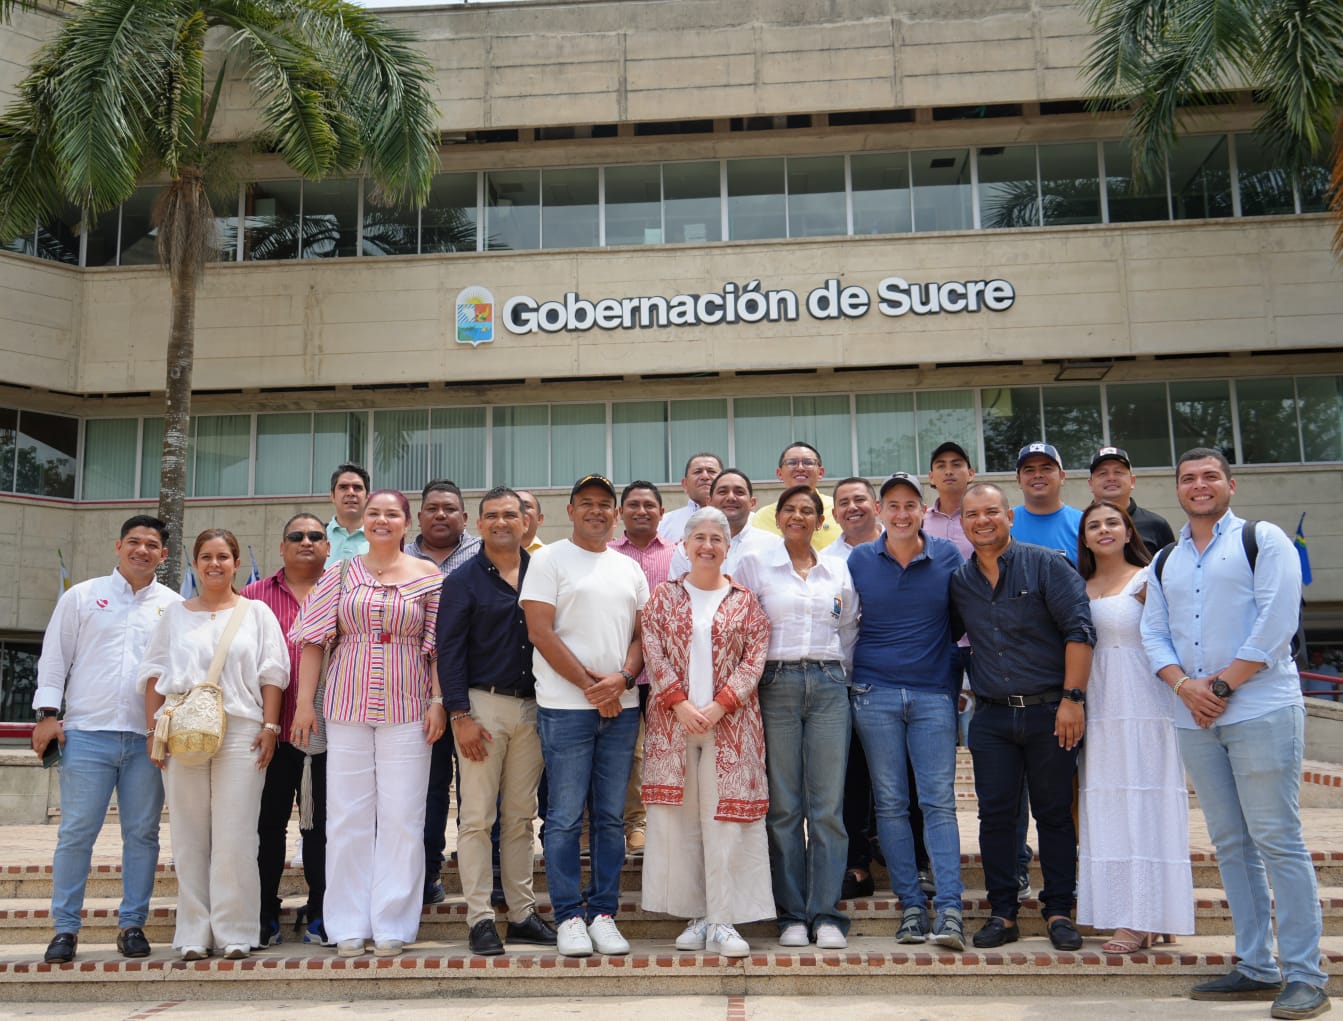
700,688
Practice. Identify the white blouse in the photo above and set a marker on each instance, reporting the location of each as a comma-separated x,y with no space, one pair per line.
815,617
181,647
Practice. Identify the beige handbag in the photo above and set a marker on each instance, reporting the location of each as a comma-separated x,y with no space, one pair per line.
191,725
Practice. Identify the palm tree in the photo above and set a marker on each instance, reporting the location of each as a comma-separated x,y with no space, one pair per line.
128,89
1156,57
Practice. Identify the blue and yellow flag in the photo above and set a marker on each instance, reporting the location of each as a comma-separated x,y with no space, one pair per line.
1300,543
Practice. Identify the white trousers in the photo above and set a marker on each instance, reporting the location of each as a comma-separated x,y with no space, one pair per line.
212,813
377,776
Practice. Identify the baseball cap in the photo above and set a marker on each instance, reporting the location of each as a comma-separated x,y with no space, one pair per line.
1041,449
1111,454
949,448
600,481
901,479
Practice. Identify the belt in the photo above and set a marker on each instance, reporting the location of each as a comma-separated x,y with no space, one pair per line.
1022,701
510,692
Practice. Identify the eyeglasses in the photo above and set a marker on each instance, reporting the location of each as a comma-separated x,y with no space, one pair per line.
801,462
299,536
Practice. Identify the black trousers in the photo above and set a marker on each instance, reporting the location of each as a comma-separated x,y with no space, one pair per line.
284,777
436,806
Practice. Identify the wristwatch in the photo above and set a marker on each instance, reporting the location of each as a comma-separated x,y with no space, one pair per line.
46,714
1075,695
274,728
1221,689
629,678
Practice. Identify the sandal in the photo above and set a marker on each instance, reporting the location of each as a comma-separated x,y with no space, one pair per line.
1127,941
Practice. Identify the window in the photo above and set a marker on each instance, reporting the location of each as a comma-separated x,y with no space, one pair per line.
151,458
1321,417
521,437
946,415
698,426
58,239
881,193
1011,420
513,209
1069,184
1073,423
885,434
1200,177
338,437
1140,422
45,455
569,208
816,197
761,426
138,241
457,446
111,446
1265,189
639,442
692,203
401,449
1009,187
221,455
634,205
577,441
9,434
1269,431
942,189
1131,199
756,204
330,219
284,454
824,422
18,680
1200,412
448,223
271,226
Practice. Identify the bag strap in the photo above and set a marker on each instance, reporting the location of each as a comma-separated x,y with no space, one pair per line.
1250,540
225,640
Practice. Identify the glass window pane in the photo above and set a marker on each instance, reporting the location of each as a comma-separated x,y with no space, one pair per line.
1321,416
139,239
46,454
1314,182
1200,177
1011,420
390,230
942,189
448,223
639,442
271,224
337,437
25,244
18,680
756,206
1139,422
513,210
457,446
569,208
151,458
330,219
110,454
692,202
885,434
100,238
762,426
634,205
824,423
1073,423
58,238
9,434
1265,189
283,454
577,441
1130,201
697,426
816,197
946,415
226,226
1009,194
222,455
1070,183
1268,426
881,193
522,447
401,449
1201,413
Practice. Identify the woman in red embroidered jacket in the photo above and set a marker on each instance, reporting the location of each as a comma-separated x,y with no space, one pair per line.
707,858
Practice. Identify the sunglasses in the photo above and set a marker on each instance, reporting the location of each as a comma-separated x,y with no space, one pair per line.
299,536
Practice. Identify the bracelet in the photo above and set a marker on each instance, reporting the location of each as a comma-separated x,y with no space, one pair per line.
274,728
1181,681
459,716
436,700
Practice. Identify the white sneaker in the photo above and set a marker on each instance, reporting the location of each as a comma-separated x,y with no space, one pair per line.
606,938
388,947
725,940
349,948
194,953
694,936
828,937
794,935
237,951
571,938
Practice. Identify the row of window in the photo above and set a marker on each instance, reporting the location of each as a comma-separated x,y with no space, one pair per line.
1255,421
699,202
18,680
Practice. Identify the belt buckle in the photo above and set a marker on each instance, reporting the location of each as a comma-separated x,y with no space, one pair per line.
1016,701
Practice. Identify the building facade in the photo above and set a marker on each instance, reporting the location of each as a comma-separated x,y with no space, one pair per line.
665,226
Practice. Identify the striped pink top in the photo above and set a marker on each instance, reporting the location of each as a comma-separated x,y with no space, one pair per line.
379,671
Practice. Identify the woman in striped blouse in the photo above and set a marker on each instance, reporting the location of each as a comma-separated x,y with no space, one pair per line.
383,710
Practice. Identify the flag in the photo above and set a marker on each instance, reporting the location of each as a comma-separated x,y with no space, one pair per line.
256,571
188,589
1300,543
65,575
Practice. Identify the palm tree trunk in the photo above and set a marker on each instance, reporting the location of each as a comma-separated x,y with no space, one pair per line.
177,419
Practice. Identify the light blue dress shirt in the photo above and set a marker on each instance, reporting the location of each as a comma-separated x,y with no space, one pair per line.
344,545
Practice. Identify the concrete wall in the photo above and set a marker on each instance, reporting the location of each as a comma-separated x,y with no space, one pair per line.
19,41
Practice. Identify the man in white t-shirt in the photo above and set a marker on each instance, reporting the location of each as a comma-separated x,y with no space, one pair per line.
582,602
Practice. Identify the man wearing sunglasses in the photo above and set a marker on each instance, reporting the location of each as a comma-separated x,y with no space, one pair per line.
303,551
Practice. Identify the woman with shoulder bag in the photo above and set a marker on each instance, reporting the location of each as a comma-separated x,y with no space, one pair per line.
215,640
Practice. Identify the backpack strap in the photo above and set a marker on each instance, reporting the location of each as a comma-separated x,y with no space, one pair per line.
1250,540
1163,554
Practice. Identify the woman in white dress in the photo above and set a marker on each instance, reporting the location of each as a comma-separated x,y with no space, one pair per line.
1133,875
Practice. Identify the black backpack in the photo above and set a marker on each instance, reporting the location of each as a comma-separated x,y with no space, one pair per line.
1250,540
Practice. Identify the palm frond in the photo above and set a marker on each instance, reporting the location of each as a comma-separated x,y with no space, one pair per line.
1299,72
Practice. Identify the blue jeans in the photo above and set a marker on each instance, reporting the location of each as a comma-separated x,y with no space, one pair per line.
1248,777
1007,744
900,725
95,763
586,755
805,709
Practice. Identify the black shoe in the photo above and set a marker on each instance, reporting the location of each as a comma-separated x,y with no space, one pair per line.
497,900
1300,999
854,887
995,933
926,883
1235,985
1064,935
484,939
131,942
61,949
534,929
434,893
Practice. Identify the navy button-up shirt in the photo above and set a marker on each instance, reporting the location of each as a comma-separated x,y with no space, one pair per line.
482,634
1018,630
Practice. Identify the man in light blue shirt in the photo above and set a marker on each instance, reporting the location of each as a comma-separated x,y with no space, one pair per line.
1218,630
1043,518
345,531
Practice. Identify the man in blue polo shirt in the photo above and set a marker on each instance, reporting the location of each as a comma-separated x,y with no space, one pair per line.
1043,518
906,672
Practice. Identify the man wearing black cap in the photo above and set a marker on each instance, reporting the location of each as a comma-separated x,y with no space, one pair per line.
582,603
1112,479
950,473
1044,519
